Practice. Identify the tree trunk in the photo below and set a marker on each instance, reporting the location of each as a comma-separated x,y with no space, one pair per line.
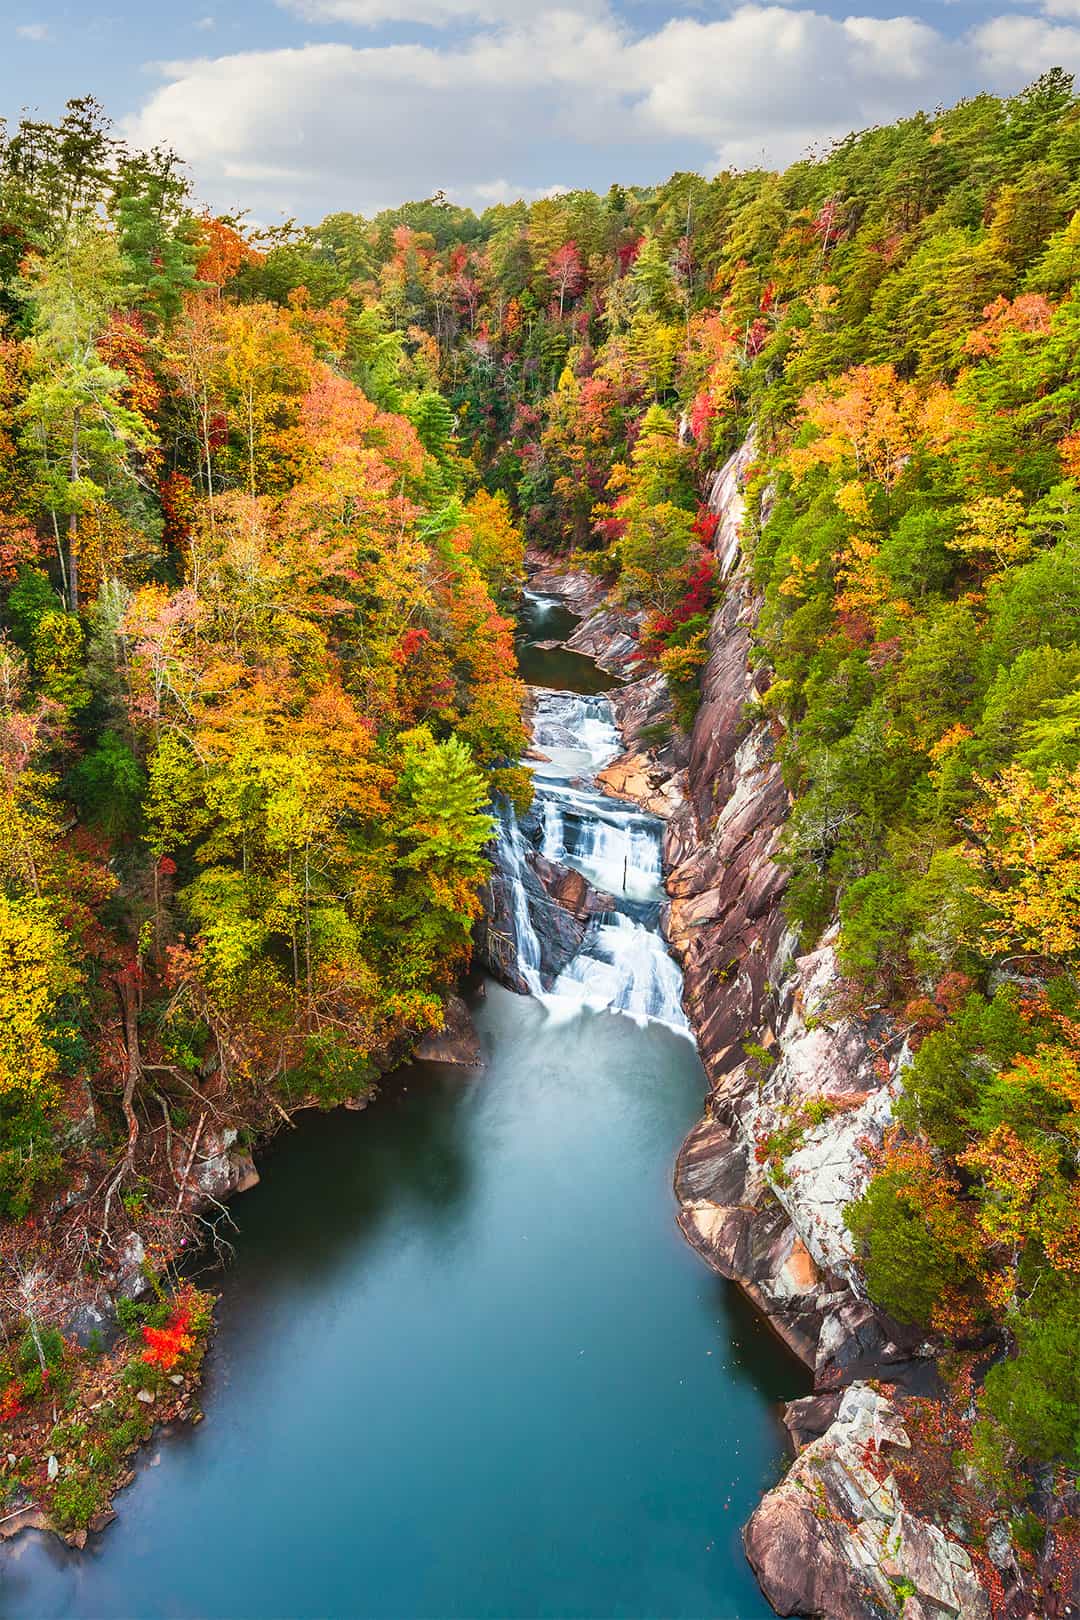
307,931
129,1004
73,525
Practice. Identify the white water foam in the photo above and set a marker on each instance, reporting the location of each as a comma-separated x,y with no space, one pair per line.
623,964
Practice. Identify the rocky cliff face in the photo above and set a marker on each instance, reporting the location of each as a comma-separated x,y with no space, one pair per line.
799,1089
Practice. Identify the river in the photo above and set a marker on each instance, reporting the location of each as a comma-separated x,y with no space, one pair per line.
466,1365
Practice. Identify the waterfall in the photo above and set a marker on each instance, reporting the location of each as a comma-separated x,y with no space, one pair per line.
622,963
554,845
510,848
540,607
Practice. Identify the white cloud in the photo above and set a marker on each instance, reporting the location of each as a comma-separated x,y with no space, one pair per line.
775,80
570,91
437,13
204,24
492,192
1012,45
334,125
37,31
1061,8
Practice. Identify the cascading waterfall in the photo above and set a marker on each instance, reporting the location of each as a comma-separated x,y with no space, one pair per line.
541,607
510,846
622,963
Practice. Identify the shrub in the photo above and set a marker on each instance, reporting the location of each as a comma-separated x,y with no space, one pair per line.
908,1266
1035,1394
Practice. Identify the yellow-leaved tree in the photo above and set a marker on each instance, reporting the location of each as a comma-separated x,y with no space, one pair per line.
1027,840
35,972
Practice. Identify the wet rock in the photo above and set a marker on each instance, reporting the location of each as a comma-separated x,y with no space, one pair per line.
728,1214
809,1419
457,1042
549,576
641,779
570,889
559,932
496,943
609,636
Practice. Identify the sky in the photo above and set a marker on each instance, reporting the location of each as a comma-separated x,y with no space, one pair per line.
297,108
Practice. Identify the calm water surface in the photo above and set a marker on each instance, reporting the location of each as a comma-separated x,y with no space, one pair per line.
466,1367
544,618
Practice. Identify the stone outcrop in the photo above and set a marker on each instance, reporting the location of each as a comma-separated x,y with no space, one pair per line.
220,1169
581,593
764,1179
724,920
834,1539
457,1043
570,889
800,1090
609,636
559,931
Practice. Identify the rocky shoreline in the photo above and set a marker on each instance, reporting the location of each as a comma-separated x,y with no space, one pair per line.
801,1093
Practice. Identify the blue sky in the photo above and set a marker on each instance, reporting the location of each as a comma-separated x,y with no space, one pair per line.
297,107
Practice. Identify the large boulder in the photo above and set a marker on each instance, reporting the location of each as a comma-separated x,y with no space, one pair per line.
220,1168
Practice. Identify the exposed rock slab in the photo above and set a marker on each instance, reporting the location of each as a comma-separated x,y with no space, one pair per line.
835,1542
570,889
800,1090
549,576
610,637
646,783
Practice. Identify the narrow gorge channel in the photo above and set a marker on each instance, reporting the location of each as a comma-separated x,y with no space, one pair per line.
466,1364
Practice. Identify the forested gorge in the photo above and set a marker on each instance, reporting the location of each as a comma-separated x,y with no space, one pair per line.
263,505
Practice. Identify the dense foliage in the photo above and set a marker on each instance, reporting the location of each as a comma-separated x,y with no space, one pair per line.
256,690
